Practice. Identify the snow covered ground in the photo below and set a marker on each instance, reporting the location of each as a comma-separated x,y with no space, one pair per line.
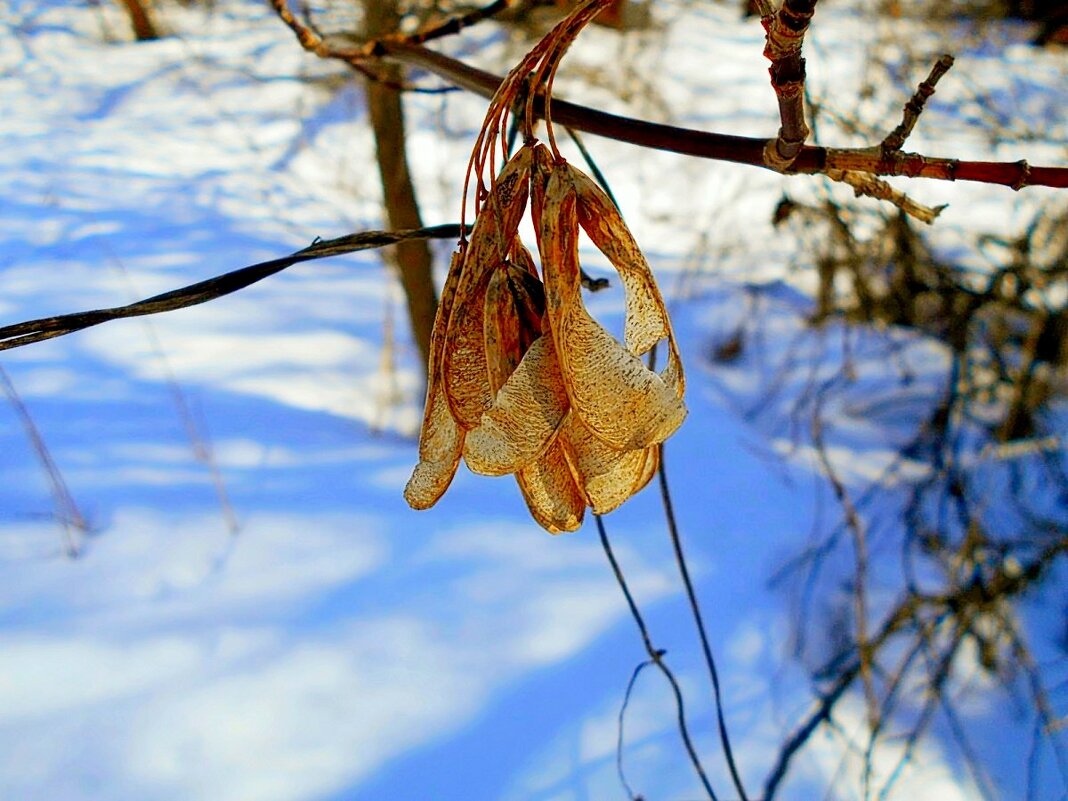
339,645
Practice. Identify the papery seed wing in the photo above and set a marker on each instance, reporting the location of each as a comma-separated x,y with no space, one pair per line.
465,371
465,367
526,261
622,402
606,475
441,439
551,493
524,417
652,463
501,330
647,319
540,169
515,303
498,218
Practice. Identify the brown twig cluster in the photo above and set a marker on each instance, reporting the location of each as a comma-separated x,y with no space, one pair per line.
985,519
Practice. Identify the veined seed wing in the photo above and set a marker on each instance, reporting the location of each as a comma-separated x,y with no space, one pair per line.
622,402
550,491
524,417
440,439
465,369
647,319
515,303
607,476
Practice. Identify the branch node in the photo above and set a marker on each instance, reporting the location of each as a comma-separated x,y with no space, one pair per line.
773,156
1025,175
786,31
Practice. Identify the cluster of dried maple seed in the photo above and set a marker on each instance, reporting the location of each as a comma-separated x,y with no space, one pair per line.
522,379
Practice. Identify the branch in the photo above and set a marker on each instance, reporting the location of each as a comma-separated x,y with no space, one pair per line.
19,334
721,147
867,185
896,138
785,35
736,149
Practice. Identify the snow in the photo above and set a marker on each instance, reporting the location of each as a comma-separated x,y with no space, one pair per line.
340,645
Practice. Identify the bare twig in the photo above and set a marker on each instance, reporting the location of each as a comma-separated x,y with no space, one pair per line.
202,451
19,334
896,138
67,512
656,656
860,559
865,183
939,672
820,713
456,24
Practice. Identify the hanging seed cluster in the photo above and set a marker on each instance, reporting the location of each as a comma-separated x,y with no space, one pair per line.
522,380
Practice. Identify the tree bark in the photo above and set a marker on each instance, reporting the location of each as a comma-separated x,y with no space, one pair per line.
144,27
402,209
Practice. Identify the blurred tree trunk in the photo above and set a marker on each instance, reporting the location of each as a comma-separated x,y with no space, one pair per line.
402,209
144,27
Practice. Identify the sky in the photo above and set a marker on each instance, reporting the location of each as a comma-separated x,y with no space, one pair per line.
335,644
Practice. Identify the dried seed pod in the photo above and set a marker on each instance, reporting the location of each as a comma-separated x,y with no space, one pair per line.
441,439
646,320
529,399
622,402
541,168
515,303
524,417
465,368
534,288
550,491
607,476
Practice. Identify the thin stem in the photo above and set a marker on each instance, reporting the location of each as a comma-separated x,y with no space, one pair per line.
67,512
20,334
691,596
914,108
588,158
622,714
656,657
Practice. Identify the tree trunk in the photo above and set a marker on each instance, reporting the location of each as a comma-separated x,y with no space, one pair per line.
144,28
402,209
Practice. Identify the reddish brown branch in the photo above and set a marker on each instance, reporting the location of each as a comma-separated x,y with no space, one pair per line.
701,144
727,147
